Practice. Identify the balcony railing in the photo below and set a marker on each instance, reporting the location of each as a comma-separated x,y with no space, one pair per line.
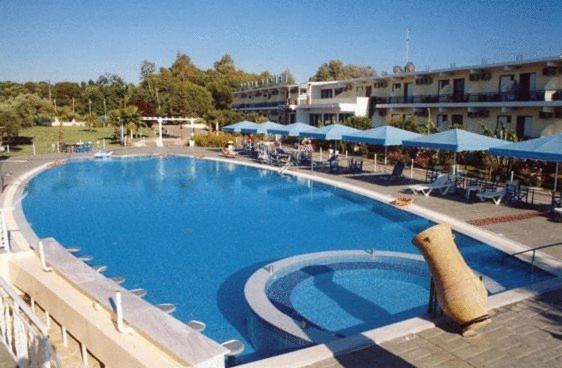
23,334
537,95
258,105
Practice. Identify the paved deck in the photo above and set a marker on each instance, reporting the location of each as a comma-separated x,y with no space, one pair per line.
526,334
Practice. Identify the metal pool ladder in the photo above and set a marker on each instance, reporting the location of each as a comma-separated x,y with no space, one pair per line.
534,250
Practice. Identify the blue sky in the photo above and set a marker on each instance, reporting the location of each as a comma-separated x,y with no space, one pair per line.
79,40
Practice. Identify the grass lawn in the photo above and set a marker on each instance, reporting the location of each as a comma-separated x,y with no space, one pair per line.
45,137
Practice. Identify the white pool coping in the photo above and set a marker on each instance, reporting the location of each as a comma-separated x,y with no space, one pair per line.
255,289
23,235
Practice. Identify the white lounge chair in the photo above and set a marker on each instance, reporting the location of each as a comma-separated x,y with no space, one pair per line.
495,195
441,183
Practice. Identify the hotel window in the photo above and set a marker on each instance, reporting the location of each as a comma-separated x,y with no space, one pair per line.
442,121
326,93
396,86
503,123
443,84
338,91
456,120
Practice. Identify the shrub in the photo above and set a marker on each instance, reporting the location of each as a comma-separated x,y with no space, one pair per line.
213,140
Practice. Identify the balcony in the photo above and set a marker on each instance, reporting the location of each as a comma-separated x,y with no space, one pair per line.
536,95
259,105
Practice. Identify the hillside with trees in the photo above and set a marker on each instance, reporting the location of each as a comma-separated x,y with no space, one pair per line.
182,89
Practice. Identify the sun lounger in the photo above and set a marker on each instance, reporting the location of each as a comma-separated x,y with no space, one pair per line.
396,174
264,158
228,153
442,183
495,195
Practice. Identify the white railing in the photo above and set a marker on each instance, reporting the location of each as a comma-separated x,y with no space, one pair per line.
4,234
23,333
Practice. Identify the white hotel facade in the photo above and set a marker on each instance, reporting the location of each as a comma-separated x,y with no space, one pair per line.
524,96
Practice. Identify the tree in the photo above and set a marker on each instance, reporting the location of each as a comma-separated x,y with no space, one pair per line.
9,119
188,99
31,109
359,122
337,70
225,65
222,94
408,123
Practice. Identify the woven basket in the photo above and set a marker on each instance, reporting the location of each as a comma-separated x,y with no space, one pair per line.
460,293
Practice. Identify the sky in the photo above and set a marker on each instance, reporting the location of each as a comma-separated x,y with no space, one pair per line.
80,40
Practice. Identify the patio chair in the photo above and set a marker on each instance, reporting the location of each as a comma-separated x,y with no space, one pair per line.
556,201
515,194
355,165
396,175
442,183
334,165
495,195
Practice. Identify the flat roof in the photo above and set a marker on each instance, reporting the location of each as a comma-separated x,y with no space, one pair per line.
545,59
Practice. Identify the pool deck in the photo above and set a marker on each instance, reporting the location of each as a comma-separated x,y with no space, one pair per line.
524,334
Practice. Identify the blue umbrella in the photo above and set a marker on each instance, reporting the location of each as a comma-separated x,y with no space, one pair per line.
382,136
331,132
547,148
237,127
456,140
262,128
292,130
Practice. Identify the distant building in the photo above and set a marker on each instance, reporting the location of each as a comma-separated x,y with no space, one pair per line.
71,123
524,96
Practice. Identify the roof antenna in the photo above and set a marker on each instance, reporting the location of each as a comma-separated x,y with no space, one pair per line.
407,45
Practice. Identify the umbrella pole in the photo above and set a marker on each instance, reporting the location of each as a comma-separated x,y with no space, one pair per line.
385,158
375,162
454,163
556,177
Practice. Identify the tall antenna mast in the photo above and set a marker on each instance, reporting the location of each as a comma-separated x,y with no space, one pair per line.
407,45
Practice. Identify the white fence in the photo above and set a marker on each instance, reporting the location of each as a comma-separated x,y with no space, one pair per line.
23,333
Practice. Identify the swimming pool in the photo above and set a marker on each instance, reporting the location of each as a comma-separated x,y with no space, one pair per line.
191,231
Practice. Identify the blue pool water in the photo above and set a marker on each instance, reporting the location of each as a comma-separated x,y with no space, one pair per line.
192,231
352,296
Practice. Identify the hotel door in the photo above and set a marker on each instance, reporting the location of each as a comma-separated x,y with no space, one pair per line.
458,90
408,93
527,84
523,123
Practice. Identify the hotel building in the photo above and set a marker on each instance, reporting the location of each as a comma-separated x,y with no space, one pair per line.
524,96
